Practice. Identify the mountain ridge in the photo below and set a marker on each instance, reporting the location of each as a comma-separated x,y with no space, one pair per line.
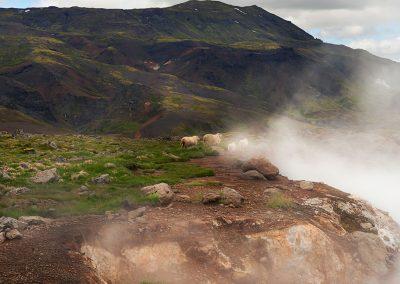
111,71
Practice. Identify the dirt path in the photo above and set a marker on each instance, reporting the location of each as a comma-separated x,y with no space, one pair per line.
138,134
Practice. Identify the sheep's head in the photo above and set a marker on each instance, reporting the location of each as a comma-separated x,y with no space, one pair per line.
197,138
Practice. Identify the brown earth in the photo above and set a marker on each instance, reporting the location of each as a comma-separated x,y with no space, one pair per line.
189,241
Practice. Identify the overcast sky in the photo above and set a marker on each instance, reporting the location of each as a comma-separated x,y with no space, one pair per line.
369,24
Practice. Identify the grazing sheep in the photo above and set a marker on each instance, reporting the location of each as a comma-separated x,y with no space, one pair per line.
232,147
243,143
212,139
189,141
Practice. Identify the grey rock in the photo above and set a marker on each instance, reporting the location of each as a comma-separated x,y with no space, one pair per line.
306,185
253,174
182,198
34,220
232,197
52,145
18,191
11,223
271,190
136,213
211,197
103,179
46,176
13,234
162,190
110,166
263,166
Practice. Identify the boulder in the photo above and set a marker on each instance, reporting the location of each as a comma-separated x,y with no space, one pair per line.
211,197
18,191
162,190
306,185
34,220
253,174
231,197
263,166
103,179
46,176
13,234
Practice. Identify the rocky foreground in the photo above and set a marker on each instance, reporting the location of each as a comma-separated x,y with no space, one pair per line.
247,224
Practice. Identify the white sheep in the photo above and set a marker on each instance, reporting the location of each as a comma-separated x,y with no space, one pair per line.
212,139
232,147
189,141
243,143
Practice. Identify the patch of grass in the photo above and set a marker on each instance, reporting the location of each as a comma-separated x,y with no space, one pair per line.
279,201
204,183
134,164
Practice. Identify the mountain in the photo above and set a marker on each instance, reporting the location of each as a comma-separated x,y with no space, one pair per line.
194,67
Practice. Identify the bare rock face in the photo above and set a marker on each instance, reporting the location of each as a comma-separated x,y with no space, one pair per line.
46,176
162,190
263,166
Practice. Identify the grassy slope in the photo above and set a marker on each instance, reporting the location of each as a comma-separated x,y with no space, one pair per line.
91,66
137,163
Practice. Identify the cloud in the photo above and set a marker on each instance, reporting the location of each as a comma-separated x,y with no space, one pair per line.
389,48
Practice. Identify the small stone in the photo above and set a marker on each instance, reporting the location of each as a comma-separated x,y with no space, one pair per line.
271,190
24,165
136,213
2,237
13,234
5,175
79,175
18,191
162,190
263,166
52,145
110,166
103,179
231,197
182,198
211,197
366,226
34,220
46,176
306,185
253,174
